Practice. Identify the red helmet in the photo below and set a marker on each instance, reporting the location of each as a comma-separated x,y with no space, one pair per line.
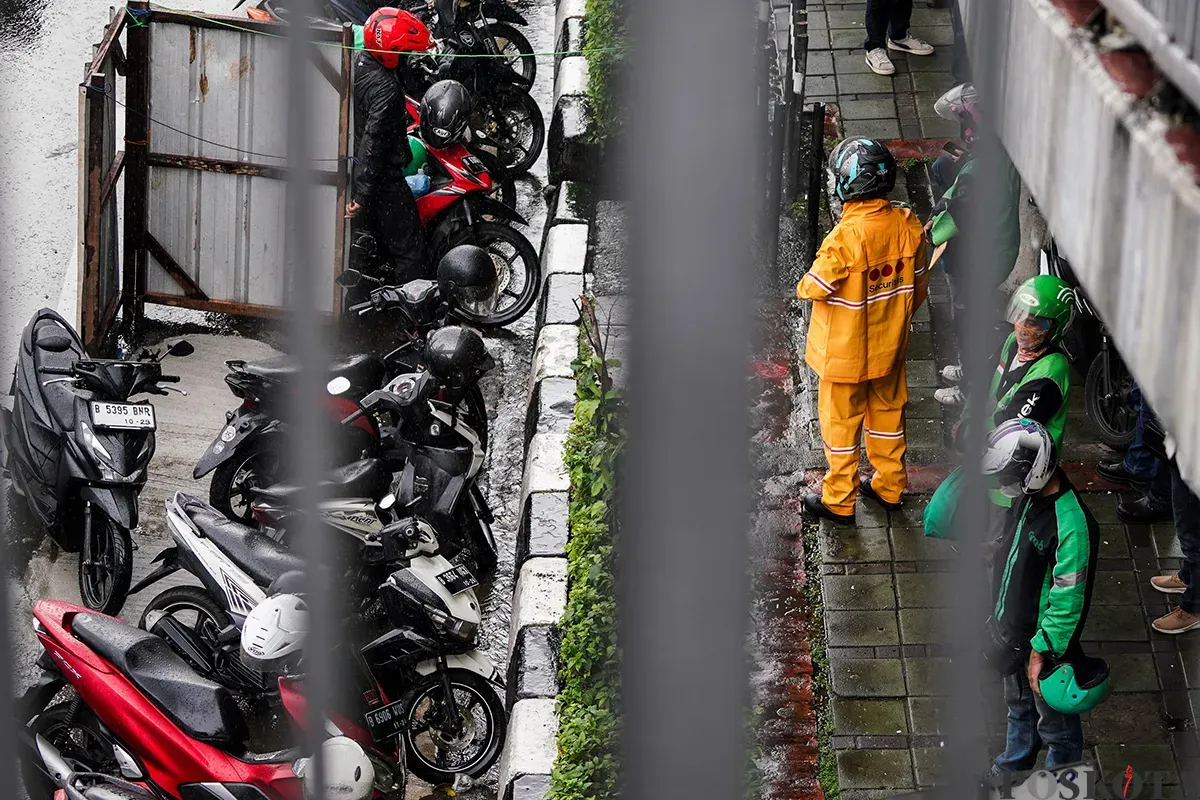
390,32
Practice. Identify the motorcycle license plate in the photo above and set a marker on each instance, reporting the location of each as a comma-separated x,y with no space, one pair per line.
458,579
384,722
474,165
128,416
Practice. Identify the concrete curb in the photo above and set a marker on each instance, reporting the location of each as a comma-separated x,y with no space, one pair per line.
540,594
573,156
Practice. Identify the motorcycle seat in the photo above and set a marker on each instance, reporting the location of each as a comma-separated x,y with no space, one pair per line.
361,478
361,369
260,556
202,709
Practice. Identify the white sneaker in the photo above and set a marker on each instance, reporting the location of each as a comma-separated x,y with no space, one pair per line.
879,62
910,44
950,396
952,373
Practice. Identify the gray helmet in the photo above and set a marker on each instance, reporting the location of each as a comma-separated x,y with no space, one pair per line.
863,169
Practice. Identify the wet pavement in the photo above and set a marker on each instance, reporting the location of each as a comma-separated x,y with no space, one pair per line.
850,631
38,200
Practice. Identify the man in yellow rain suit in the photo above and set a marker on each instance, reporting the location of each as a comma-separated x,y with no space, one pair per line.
868,280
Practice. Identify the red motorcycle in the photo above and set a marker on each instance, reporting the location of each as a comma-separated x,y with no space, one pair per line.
139,712
459,205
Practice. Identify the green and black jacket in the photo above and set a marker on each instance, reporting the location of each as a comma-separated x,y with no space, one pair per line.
1044,584
1037,390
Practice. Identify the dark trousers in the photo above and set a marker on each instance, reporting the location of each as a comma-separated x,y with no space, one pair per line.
887,18
1141,461
391,216
1186,507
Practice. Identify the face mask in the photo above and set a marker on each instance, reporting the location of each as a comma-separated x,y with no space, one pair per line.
1031,338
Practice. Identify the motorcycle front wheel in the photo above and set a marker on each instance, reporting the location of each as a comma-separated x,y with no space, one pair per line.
105,565
437,749
511,43
1106,398
518,274
511,121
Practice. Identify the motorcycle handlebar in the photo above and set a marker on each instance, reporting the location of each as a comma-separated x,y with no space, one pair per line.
361,308
169,379
54,371
350,419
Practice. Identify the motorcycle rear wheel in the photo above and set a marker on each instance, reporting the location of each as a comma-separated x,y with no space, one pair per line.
105,565
429,745
72,728
1108,406
233,481
515,258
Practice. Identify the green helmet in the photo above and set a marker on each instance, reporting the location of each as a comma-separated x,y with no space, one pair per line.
1046,300
420,155
1077,685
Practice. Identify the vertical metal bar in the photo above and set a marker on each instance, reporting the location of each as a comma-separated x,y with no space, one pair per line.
775,179
93,110
137,142
965,677
685,489
343,171
307,445
816,172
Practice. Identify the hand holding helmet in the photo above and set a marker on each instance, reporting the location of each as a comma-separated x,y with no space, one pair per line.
1021,456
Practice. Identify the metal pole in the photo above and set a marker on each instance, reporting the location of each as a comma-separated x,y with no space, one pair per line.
307,446
816,171
966,674
684,596
137,173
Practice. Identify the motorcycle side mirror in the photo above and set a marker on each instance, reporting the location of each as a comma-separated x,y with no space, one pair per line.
337,386
349,278
180,348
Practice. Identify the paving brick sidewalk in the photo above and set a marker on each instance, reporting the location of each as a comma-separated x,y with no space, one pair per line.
882,583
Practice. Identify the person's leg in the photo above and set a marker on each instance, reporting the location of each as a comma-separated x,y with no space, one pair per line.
960,64
1022,742
884,423
1138,459
878,14
840,409
396,224
1186,509
944,171
1063,735
899,16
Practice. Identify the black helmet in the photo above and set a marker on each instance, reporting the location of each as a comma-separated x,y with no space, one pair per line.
444,112
467,274
863,169
457,356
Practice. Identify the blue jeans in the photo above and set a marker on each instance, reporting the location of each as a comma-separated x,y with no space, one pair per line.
1141,462
1032,723
1186,508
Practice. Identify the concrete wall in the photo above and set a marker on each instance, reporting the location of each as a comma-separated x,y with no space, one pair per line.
1120,201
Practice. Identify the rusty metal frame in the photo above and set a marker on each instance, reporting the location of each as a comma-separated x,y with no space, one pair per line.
98,185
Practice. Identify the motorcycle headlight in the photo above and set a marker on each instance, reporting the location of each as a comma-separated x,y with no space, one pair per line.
94,444
460,630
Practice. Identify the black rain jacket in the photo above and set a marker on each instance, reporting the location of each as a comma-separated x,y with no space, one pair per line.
381,123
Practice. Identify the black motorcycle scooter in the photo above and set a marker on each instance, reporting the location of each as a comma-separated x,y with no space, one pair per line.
77,450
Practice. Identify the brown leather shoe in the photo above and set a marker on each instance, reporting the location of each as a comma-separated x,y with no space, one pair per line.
1169,584
1178,621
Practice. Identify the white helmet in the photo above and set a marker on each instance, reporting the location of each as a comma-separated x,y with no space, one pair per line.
1022,457
273,634
348,774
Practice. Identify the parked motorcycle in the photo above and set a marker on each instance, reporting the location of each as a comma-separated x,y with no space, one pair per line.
75,783
438,458
1108,387
449,715
78,451
138,711
246,452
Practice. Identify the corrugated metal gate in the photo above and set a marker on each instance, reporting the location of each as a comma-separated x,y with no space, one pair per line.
204,165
